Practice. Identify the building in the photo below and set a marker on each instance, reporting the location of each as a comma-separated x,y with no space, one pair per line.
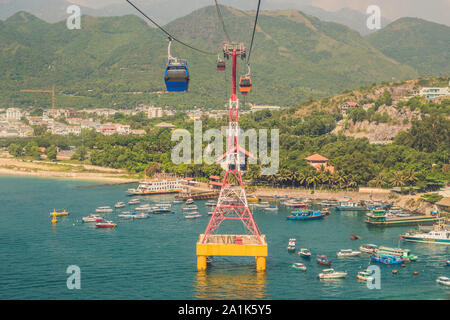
165,125
138,132
259,108
123,129
431,93
318,161
13,114
347,106
154,112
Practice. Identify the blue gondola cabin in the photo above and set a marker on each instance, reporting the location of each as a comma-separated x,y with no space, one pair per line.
176,76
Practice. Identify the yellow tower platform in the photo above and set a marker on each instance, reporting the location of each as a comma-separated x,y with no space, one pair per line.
232,245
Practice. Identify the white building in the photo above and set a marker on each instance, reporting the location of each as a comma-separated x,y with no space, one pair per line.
259,108
13,114
154,112
431,93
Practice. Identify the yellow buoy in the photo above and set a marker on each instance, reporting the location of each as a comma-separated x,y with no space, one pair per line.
54,220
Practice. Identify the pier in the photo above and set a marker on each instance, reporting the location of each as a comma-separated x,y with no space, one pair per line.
232,245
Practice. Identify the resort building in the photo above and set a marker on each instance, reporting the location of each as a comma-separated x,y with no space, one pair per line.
154,112
432,93
318,161
259,108
13,114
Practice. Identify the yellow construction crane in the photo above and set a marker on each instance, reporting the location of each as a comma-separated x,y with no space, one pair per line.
46,91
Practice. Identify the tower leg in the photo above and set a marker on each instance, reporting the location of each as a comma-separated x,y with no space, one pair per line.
260,263
201,263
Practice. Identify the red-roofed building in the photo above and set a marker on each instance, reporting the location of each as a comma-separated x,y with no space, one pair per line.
318,161
348,105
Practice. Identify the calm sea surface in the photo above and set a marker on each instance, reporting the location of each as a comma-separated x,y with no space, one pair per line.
155,258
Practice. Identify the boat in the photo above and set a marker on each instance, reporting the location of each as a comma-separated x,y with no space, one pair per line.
291,244
126,215
295,204
365,275
322,259
190,201
439,234
92,218
398,252
304,253
299,266
59,212
325,211
211,203
368,248
403,214
157,187
306,215
141,215
443,280
327,203
105,209
379,217
209,260
192,215
262,205
271,208
190,208
332,274
447,262
177,201
119,205
380,206
348,205
134,201
210,213
387,259
106,224
158,210
145,207
252,199
343,253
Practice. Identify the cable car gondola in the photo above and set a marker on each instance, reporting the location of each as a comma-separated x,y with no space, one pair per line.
176,75
220,65
245,83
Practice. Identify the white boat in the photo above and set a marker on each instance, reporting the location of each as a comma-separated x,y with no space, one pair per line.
177,201
105,209
210,213
192,216
347,253
262,205
92,218
368,248
437,234
141,215
157,187
190,208
271,208
119,205
134,201
365,275
126,215
332,274
144,207
190,201
443,280
211,203
291,244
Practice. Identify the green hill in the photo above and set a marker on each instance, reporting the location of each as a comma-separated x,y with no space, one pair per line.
119,61
418,43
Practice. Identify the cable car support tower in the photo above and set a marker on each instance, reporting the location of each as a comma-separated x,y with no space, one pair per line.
232,203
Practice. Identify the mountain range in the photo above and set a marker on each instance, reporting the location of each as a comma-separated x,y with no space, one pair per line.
120,60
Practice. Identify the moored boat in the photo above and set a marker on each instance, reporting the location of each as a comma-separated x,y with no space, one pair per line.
271,208
119,205
364,275
447,262
443,280
304,253
126,215
157,187
134,201
104,209
106,224
291,244
343,253
190,201
439,234
92,218
141,215
398,252
306,215
211,203
322,259
379,217
332,274
387,259
192,215
299,266
190,208
348,205
368,248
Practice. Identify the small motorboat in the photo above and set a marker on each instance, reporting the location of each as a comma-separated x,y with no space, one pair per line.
192,216
325,211
368,248
304,253
105,209
343,253
387,259
291,244
263,204
92,218
190,201
271,208
210,213
144,207
354,237
141,215
211,203
161,210
305,215
323,260
364,275
106,224
134,201
177,201
126,215
443,280
447,262
332,274
119,205
190,208
59,212
299,266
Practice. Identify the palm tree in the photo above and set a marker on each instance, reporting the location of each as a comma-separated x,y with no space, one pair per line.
313,179
410,176
397,180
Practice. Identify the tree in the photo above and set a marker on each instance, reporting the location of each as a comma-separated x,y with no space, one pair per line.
52,152
80,154
15,150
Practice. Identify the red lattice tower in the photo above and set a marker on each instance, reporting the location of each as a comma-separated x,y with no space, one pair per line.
232,203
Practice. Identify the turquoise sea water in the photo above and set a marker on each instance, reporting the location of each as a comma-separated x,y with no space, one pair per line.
155,258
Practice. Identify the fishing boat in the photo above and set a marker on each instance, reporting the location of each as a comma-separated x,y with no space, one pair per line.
443,280
106,224
271,208
59,212
398,252
438,234
263,204
157,187
365,275
322,259
92,218
134,201
325,212
190,208
306,215
192,215
119,205
379,217
327,203
368,248
380,206
343,253
299,266
295,204
190,201
387,259
105,209
291,244
332,274
304,253
348,205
